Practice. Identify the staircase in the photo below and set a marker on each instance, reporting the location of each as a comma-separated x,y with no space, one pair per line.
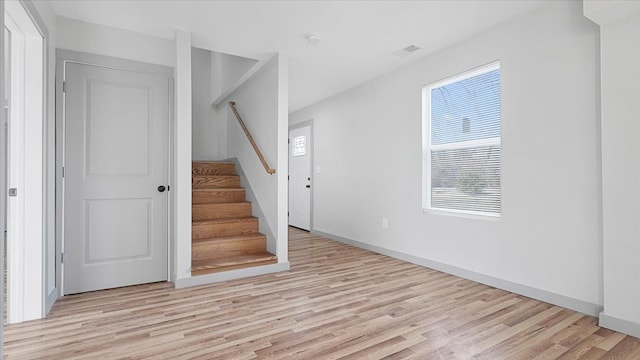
224,234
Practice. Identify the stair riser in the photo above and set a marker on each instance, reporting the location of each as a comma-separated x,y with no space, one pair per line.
205,169
217,196
220,211
204,231
219,181
211,249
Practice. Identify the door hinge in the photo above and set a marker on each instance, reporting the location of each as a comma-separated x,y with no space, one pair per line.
62,258
289,141
287,214
64,86
63,171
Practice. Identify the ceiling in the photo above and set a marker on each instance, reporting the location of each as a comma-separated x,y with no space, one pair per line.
359,38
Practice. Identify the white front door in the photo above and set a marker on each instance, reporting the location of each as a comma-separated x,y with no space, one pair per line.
300,177
116,158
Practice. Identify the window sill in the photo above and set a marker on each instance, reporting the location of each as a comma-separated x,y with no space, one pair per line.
462,215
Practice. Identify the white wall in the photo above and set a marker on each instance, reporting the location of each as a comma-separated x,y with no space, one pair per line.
368,145
210,80
104,40
233,67
206,140
226,70
212,74
621,173
262,102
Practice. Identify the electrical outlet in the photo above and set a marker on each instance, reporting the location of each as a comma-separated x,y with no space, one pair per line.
385,223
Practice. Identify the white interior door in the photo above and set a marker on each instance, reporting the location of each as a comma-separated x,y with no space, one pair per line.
300,177
116,158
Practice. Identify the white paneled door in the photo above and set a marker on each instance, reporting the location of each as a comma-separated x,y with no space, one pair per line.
300,177
116,178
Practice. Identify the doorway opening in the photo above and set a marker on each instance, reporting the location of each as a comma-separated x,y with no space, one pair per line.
300,175
23,162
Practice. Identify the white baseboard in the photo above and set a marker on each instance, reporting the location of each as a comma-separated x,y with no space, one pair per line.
620,325
231,275
528,291
53,296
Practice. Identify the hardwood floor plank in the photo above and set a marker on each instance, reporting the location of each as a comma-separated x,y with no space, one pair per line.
337,301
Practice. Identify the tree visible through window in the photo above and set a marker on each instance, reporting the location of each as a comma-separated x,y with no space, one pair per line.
461,143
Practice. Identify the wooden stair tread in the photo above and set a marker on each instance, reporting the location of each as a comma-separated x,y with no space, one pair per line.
248,259
225,220
230,238
213,181
215,188
205,162
231,203
217,194
225,210
218,175
208,228
212,168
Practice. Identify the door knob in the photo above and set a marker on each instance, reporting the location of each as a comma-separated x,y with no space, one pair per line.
161,188
308,186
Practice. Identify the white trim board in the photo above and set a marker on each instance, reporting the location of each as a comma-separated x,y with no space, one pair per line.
231,275
27,131
2,169
113,62
534,293
620,325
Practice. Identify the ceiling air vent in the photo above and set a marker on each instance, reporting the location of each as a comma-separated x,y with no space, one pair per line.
407,50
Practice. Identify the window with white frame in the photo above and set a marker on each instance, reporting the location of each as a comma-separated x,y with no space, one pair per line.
461,143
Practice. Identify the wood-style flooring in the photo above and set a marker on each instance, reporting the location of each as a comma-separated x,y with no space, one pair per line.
336,302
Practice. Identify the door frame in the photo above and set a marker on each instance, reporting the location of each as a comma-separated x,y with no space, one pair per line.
3,171
312,171
68,56
27,295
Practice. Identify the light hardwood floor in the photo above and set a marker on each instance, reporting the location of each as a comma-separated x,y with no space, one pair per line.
336,302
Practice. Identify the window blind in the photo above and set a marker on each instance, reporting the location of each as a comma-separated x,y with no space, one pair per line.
461,152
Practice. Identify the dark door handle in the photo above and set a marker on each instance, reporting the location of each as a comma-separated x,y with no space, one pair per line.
308,186
161,188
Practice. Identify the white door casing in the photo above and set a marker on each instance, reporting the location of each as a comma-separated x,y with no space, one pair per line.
25,164
116,157
300,177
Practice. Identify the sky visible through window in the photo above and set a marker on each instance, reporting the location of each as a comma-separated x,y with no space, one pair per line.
466,110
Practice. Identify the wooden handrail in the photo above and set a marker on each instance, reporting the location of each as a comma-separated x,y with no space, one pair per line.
269,170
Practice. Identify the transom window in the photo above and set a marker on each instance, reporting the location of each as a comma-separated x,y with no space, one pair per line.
461,143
